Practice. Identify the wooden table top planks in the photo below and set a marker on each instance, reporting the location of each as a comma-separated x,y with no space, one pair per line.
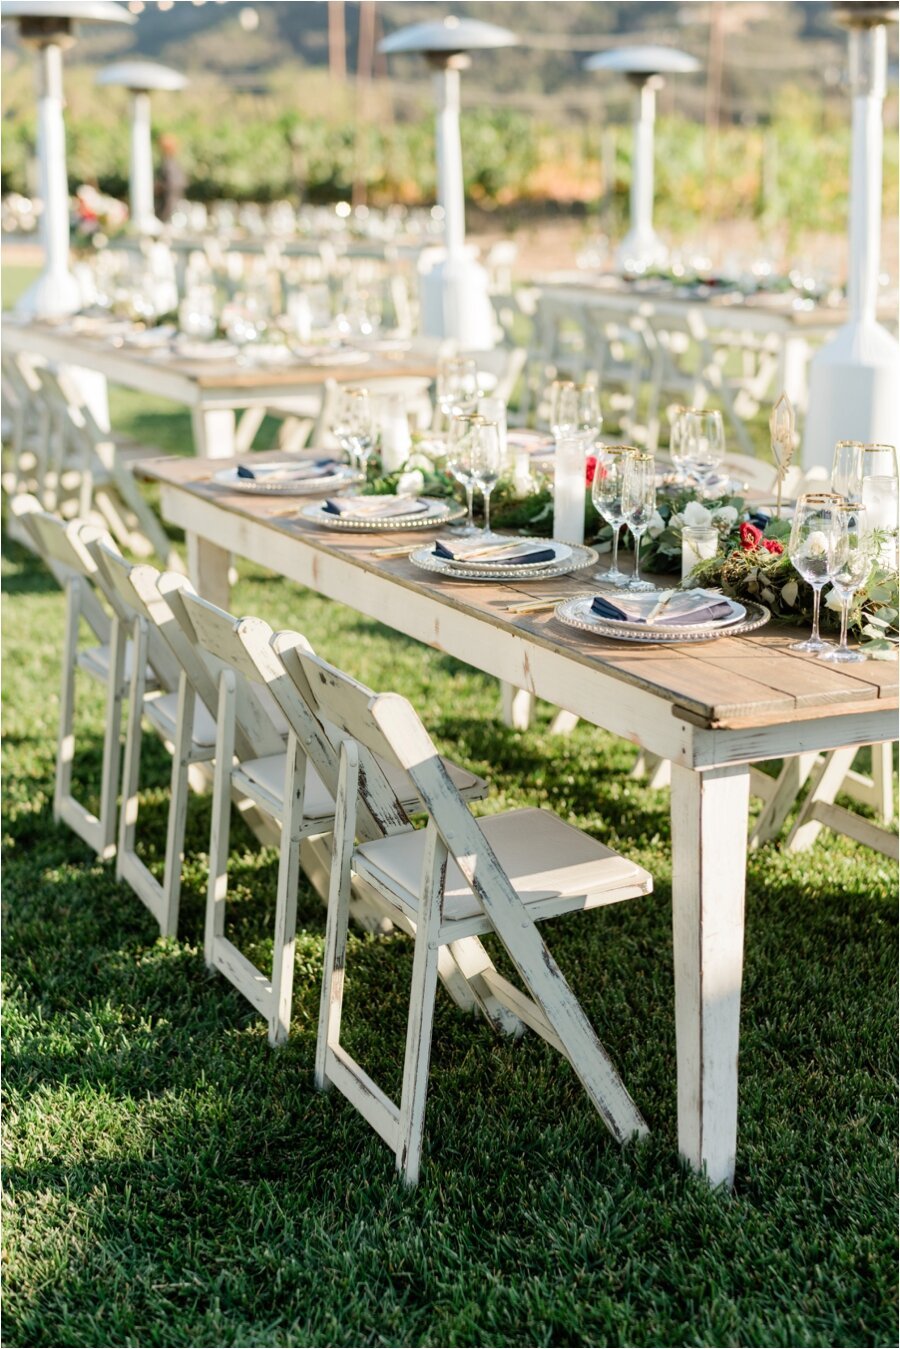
133,365
734,682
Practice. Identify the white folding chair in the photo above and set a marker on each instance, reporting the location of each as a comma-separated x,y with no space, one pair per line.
454,879
183,719
291,784
63,547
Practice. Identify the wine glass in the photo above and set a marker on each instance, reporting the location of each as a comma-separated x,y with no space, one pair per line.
808,551
487,465
459,463
676,443
703,443
361,423
590,417
564,408
341,427
850,553
847,470
457,386
606,494
638,506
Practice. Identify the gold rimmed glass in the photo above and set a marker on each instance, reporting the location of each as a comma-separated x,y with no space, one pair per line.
606,494
851,551
638,506
808,551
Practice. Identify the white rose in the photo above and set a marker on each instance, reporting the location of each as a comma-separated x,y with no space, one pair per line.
725,515
697,516
420,460
656,526
816,543
410,484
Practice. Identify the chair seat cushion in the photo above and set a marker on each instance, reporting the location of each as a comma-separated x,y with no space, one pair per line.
544,857
163,713
318,803
95,661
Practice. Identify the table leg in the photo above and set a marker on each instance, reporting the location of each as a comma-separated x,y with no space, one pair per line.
214,431
709,856
209,570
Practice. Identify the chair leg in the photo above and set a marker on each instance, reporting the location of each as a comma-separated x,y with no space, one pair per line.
217,889
421,1011
332,999
178,802
112,743
65,751
825,785
286,902
132,760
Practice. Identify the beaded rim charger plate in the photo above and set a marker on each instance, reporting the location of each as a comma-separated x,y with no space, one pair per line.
438,513
577,557
341,476
577,613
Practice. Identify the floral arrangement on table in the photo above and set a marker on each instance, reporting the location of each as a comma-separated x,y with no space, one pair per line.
751,563
97,216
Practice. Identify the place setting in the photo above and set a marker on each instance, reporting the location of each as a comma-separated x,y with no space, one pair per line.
305,477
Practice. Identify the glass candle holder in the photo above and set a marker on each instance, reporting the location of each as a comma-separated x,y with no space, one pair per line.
699,543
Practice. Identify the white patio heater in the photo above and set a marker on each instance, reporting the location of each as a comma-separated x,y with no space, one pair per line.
50,26
854,385
454,287
644,68
140,78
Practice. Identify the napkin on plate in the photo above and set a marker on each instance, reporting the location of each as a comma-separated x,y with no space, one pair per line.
688,607
375,510
516,554
319,468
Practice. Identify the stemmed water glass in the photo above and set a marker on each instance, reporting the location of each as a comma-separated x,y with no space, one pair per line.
564,408
606,494
808,551
638,506
487,464
850,551
590,417
847,470
356,427
457,386
676,443
702,442
459,463
341,426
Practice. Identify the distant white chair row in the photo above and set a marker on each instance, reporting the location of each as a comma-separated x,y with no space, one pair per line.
58,452
334,766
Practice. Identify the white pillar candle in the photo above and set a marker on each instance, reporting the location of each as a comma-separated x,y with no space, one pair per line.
698,544
395,438
569,486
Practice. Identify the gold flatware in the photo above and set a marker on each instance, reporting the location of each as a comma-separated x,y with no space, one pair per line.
532,606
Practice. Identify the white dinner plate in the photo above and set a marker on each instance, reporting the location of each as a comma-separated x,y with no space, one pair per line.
267,484
577,612
439,513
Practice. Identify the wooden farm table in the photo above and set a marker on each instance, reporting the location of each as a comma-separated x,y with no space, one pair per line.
213,390
711,709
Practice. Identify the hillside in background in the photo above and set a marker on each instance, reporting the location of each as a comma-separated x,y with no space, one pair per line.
764,46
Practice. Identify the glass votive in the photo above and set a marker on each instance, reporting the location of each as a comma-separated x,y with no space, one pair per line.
880,498
699,543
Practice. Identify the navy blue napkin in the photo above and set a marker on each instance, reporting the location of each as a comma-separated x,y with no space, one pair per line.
708,613
526,559
244,472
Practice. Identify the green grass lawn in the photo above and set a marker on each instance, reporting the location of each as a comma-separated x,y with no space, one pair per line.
170,1180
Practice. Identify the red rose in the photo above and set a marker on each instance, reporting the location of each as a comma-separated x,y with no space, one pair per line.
750,536
594,468
772,546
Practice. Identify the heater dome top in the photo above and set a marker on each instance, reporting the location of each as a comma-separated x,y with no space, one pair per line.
644,60
142,76
447,36
66,11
